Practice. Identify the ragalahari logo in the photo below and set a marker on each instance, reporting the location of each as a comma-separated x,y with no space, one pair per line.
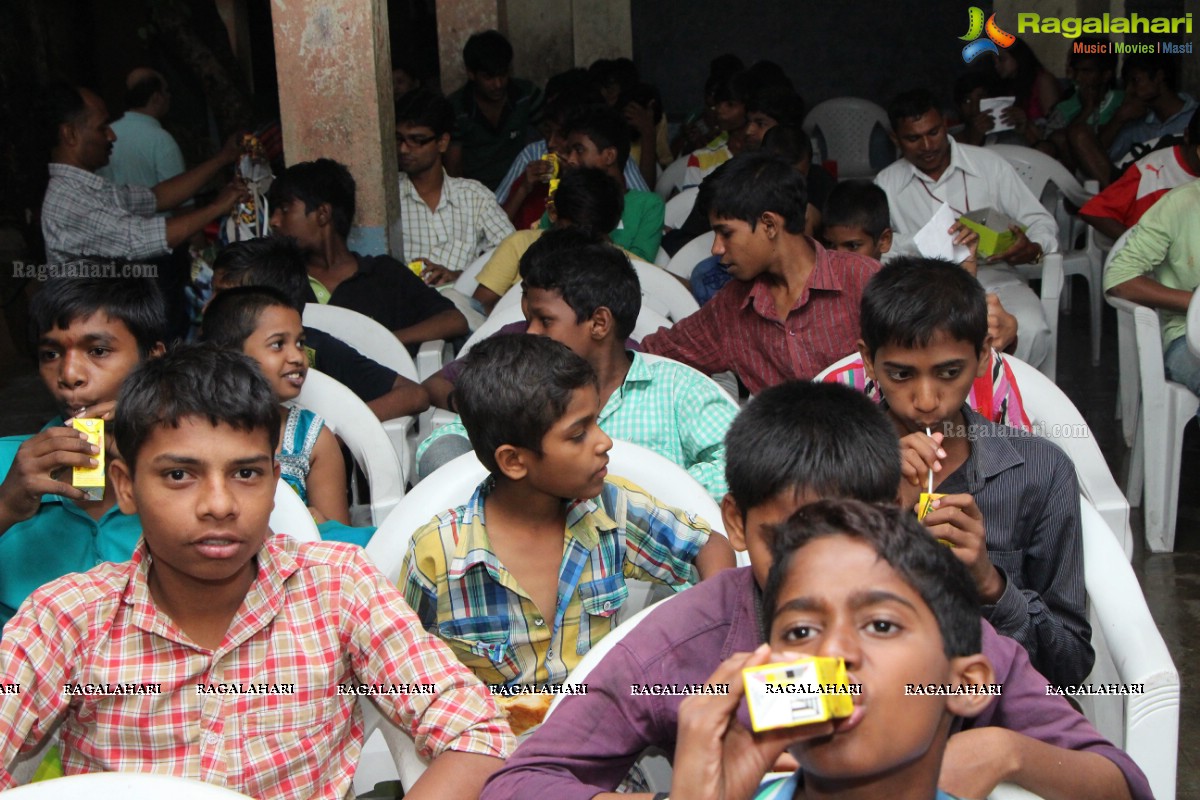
995,36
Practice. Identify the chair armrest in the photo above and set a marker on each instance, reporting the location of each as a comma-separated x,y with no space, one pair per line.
431,356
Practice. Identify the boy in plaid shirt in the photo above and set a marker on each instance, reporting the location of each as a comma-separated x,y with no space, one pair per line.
221,652
525,578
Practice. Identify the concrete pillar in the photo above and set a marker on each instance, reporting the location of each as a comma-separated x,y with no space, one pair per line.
335,100
603,29
456,21
542,35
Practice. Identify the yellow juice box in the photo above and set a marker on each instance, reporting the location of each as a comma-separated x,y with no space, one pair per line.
417,267
925,506
91,479
784,695
552,159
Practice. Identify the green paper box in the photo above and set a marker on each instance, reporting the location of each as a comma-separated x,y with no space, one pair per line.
992,227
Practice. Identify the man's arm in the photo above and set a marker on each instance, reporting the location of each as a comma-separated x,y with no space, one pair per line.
446,324
35,471
1110,227
662,543
454,774
1016,200
702,417
182,227
404,399
696,339
1149,244
175,191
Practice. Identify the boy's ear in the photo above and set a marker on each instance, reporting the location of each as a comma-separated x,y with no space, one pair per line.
601,323
122,481
973,670
510,460
772,223
609,155
444,143
735,522
868,361
156,351
885,241
985,357
324,214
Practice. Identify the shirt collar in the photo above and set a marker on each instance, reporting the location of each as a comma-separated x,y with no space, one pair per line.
960,159
449,196
989,455
68,172
585,521
823,277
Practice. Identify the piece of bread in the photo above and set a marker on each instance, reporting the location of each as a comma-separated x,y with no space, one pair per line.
525,711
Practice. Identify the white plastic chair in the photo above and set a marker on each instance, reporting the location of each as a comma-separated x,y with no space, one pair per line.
351,420
684,262
1128,379
467,282
679,207
123,786
1193,325
648,320
1052,183
290,516
845,126
669,181
663,293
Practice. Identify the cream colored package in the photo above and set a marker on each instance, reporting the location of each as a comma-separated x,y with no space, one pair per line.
783,695
91,479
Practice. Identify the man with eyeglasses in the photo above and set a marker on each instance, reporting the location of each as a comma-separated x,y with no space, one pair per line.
447,221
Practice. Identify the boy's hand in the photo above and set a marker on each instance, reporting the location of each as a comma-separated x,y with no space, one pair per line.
105,411
976,762
920,453
1022,251
538,171
435,274
1002,326
959,521
640,116
37,468
716,758
970,240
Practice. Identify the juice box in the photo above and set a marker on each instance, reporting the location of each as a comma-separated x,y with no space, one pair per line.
784,695
90,479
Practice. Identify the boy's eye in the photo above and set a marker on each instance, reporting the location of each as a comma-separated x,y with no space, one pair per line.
798,633
47,355
99,352
950,373
176,475
898,375
883,627
248,473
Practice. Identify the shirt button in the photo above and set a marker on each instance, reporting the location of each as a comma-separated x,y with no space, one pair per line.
549,654
212,738
608,605
538,621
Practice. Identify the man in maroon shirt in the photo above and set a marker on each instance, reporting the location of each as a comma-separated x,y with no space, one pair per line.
793,308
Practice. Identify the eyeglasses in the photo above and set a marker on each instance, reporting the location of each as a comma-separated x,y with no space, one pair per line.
414,140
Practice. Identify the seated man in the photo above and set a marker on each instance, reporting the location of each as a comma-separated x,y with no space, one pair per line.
1074,125
1158,267
525,578
144,154
91,333
1119,207
494,113
313,202
1152,112
729,96
1011,504
278,262
210,585
935,170
836,564
793,307
447,222
792,445
588,298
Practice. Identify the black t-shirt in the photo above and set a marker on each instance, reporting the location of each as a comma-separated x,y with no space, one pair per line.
366,378
389,293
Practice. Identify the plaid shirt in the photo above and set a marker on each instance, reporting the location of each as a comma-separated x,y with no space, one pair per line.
317,617
465,594
666,407
994,395
85,215
467,221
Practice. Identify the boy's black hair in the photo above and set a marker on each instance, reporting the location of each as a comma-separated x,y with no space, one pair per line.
621,71
57,103
789,142
136,302
274,261
570,82
222,386
816,438
588,277
752,184
912,299
939,577
139,94
513,389
910,105
971,80
488,52
644,95
858,204
1103,53
317,182
779,103
605,127
552,244
426,109
1149,63
232,316
590,199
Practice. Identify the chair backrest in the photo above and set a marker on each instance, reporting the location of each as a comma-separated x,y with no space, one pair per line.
290,516
467,283
846,126
1129,650
663,293
1193,324
1056,418
123,786
363,334
684,262
679,207
508,311
355,424
1036,169
670,179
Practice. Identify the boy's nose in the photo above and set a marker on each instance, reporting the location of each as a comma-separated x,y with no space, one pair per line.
71,371
216,500
841,641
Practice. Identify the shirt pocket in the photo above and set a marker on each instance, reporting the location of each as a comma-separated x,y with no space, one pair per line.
601,600
482,642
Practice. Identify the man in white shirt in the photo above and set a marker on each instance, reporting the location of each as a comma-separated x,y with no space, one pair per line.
934,169
447,221
144,153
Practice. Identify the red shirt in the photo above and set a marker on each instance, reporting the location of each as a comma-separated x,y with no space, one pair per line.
1140,186
739,331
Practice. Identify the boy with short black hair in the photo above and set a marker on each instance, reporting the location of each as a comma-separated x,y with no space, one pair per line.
91,333
793,445
212,605
526,577
857,582
588,297
856,219
1011,504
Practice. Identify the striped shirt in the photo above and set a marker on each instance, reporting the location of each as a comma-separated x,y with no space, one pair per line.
994,394
466,222
85,215
264,714
666,407
634,181
1026,489
702,162
739,331
463,593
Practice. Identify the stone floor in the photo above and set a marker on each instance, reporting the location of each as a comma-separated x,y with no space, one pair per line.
1171,581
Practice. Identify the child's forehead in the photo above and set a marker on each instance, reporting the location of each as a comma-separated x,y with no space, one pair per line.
841,569
96,325
942,346
197,435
